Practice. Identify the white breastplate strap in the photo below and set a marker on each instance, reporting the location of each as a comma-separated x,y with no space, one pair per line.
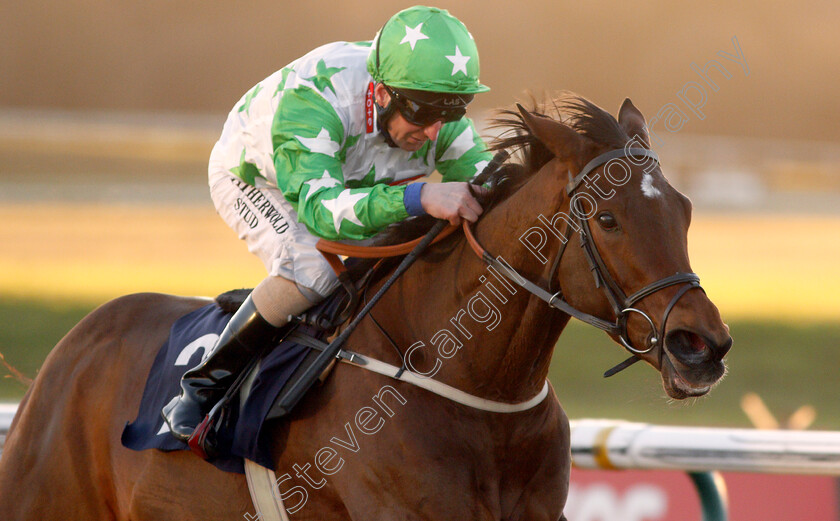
441,389
262,481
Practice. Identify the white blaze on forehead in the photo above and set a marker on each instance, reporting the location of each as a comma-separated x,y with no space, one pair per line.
647,186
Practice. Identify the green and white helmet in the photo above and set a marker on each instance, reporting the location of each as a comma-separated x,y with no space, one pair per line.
426,49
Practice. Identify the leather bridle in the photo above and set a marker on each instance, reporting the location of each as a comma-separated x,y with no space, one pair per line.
622,304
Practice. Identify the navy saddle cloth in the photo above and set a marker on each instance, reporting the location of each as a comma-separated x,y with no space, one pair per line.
190,337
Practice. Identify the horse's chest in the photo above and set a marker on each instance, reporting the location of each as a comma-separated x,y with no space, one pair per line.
479,471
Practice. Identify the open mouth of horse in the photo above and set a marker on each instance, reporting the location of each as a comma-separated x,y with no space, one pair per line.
688,365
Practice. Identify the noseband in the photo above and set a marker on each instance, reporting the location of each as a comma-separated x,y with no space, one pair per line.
621,304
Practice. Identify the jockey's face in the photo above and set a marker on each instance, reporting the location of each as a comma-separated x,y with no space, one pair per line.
407,136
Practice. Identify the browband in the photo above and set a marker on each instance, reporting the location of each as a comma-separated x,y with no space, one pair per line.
606,157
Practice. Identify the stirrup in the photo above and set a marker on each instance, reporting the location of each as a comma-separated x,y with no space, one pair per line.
203,447
204,441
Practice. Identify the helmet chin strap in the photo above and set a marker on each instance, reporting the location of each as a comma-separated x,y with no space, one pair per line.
383,115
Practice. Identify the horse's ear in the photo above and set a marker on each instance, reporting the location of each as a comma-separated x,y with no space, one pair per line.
560,139
633,122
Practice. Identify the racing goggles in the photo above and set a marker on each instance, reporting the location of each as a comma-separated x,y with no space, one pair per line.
425,114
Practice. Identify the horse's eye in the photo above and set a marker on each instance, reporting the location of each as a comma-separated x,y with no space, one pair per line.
607,221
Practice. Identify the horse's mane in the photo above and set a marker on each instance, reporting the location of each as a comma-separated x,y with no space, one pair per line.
528,155
586,118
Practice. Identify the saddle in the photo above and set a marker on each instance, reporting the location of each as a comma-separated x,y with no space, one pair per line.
310,330
306,358
234,428
314,326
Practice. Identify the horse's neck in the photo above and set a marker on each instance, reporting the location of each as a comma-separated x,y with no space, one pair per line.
507,334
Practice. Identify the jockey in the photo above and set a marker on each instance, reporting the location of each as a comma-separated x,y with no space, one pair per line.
322,149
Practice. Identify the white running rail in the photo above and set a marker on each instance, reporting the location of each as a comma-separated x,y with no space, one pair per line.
615,444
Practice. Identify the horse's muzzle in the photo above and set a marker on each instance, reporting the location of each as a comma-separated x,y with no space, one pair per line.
692,363
691,348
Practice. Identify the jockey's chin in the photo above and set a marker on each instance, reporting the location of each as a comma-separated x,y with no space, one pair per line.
408,136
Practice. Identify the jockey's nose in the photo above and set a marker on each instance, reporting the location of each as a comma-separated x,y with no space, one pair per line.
432,130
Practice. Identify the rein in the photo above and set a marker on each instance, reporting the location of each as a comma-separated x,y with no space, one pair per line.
621,304
331,250
328,351
376,252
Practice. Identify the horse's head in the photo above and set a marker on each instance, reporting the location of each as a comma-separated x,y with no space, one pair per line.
632,227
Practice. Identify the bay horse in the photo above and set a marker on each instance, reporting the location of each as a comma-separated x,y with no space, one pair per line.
413,455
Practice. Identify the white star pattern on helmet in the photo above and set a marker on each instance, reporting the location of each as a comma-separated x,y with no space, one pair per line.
412,35
322,143
325,181
459,62
342,208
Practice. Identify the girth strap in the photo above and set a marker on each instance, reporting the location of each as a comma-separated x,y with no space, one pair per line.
262,484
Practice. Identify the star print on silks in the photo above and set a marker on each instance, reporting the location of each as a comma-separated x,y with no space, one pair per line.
342,208
245,171
460,145
367,180
349,142
325,181
321,144
284,76
459,62
412,35
246,106
323,74
385,165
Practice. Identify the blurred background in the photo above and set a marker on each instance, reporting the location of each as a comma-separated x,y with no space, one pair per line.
108,112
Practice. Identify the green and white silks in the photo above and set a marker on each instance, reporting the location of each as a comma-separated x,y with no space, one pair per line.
306,131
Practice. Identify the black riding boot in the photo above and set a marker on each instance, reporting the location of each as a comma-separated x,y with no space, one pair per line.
246,335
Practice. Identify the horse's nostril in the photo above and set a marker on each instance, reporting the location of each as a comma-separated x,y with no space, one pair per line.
688,347
724,348
696,342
